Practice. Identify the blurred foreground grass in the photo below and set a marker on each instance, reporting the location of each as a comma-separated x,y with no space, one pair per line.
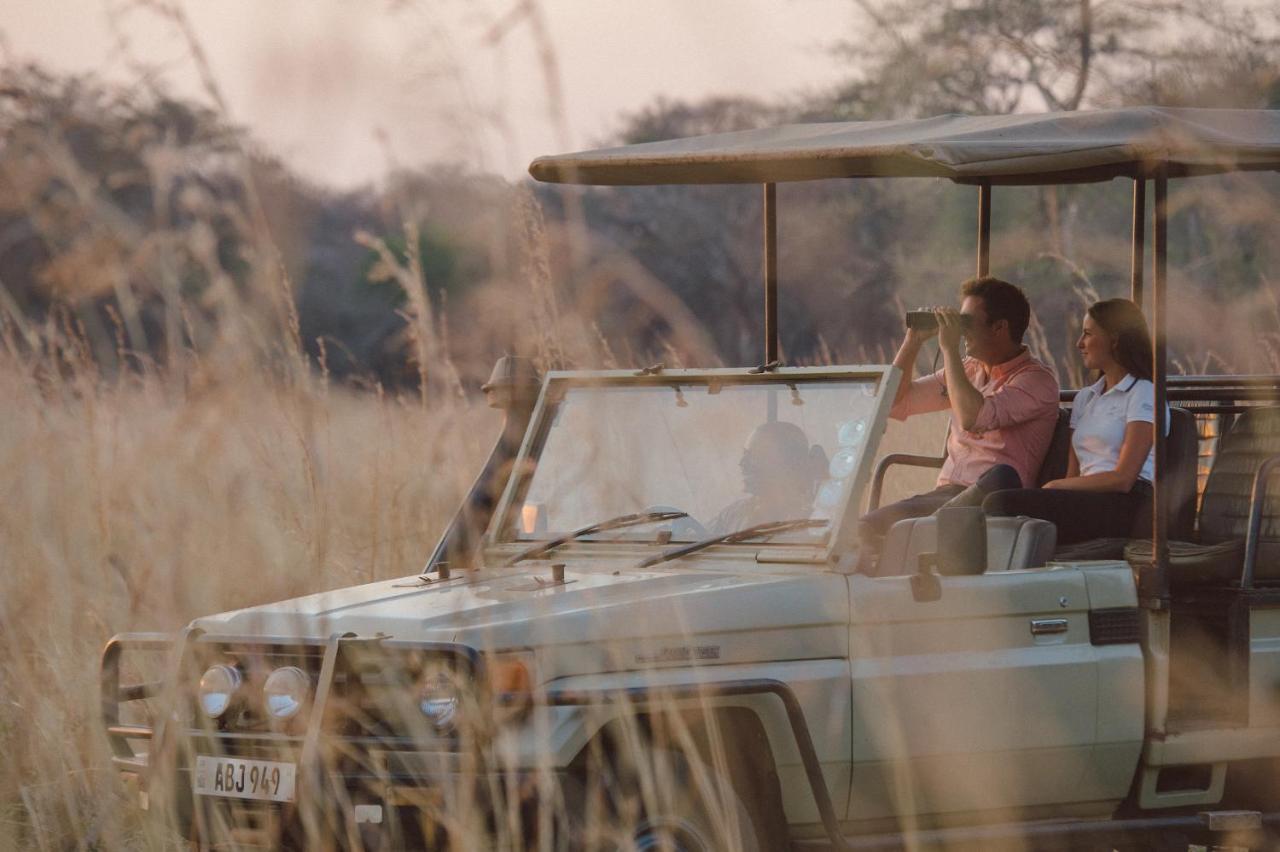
140,504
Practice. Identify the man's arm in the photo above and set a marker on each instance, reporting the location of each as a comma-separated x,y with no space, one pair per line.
905,360
966,400
919,395
1031,394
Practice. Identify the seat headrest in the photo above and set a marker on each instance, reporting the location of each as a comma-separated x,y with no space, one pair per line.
1224,511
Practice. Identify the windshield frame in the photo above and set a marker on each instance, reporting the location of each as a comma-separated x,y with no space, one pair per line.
841,536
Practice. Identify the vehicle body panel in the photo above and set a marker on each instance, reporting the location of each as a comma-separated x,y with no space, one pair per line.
959,707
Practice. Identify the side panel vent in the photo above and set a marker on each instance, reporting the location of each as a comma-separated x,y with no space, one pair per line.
1117,626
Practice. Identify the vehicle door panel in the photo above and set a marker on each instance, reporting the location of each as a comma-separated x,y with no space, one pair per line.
958,706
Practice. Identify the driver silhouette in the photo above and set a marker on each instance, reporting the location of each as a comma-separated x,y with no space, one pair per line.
780,472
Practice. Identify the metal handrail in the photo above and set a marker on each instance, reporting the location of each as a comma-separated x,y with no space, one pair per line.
1250,380
1256,503
1204,393
882,467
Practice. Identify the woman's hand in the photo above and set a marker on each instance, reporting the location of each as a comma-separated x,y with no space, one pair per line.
1055,484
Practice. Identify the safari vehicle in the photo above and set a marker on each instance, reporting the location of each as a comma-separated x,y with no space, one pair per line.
610,633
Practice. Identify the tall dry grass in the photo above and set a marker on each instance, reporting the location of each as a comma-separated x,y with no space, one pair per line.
139,503
236,475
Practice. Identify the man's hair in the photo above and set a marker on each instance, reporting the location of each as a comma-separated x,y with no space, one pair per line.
1003,301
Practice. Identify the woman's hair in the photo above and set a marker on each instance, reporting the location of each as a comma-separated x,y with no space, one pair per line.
1124,323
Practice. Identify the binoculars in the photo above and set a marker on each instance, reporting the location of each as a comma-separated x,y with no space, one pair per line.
922,320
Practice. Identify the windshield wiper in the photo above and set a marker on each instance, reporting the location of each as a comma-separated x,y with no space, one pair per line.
617,523
758,531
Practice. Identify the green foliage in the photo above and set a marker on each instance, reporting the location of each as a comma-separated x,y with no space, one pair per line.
115,204
672,119
447,268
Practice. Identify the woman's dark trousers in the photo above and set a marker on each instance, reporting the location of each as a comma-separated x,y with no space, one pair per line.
1078,515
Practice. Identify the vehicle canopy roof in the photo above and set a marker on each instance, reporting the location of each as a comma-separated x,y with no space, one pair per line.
1059,147
1142,143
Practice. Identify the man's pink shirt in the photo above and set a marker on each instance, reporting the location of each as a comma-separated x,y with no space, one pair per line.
1014,425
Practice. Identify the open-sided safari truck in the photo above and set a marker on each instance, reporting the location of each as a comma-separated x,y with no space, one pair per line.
620,642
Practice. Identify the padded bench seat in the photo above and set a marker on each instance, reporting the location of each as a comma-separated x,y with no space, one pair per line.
1012,543
1194,564
1217,557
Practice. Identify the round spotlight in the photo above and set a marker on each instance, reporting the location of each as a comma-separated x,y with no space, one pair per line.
286,692
218,688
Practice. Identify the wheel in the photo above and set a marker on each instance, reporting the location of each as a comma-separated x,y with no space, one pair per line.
662,802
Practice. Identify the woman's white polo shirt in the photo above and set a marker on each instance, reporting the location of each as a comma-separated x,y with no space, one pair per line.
1098,421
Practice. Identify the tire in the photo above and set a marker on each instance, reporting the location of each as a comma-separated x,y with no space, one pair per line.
662,801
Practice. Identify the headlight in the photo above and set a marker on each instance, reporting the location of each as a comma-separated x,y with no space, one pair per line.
439,699
286,691
217,689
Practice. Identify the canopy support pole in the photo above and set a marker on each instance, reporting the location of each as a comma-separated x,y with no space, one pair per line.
1156,589
770,273
984,228
1137,260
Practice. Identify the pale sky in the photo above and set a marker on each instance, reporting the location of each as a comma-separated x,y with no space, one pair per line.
320,82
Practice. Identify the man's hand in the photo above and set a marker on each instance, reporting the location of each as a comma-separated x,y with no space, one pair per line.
905,360
950,328
918,336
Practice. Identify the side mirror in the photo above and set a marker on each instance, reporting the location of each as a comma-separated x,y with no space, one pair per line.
962,549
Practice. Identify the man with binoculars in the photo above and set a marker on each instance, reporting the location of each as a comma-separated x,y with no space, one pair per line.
1003,402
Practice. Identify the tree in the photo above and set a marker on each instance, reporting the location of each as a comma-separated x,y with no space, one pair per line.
119,206
924,57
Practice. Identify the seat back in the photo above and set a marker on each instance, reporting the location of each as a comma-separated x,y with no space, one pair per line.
1012,543
1182,457
1224,512
1056,457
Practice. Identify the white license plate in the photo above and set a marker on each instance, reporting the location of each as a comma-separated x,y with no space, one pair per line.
262,780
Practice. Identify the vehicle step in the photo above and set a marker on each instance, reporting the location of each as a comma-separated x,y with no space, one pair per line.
1232,820
1092,831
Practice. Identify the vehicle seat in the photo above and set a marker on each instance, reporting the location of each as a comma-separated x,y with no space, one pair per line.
1218,556
1182,457
1057,456
1054,465
1012,543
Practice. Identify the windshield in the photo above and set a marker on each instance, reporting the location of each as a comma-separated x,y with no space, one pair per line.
730,455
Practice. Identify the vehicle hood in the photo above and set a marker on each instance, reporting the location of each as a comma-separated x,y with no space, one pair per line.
519,608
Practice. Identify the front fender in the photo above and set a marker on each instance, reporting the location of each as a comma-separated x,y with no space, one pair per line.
803,708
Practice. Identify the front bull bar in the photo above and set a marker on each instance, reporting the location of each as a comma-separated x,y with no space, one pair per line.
125,759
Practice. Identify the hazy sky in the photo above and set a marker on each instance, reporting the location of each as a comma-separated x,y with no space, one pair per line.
337,87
